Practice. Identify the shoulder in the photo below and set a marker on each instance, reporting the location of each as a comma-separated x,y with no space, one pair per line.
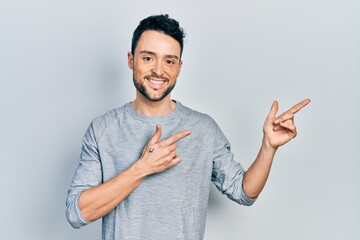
104,121
199,118
203,127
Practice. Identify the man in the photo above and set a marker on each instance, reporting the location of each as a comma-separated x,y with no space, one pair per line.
148,185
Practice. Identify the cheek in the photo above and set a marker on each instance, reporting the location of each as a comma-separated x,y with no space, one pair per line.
142,69
173,73
138,71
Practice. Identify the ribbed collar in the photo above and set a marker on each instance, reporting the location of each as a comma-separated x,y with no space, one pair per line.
157,119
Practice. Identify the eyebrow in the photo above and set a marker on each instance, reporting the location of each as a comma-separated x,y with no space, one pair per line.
152,53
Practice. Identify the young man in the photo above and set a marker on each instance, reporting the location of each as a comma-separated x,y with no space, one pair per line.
148,185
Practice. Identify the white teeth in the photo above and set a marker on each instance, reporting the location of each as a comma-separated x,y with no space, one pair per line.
156,81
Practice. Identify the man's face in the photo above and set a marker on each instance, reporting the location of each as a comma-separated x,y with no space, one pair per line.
156,65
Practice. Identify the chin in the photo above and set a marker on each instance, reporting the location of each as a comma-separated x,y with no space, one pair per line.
155,98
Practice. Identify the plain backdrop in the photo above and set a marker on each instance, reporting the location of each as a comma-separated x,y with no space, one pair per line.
62,63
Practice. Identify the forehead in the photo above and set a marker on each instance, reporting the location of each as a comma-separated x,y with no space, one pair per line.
158,43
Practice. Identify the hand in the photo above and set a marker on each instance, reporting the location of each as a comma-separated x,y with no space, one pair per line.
280,130
159,156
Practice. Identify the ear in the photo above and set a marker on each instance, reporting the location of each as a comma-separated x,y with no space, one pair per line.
180,65
130,60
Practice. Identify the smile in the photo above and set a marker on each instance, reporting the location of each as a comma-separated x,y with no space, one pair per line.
155,83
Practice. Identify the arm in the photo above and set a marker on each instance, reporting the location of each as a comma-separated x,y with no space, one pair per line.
98,201
277,132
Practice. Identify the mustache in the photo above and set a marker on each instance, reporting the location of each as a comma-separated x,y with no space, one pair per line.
154,75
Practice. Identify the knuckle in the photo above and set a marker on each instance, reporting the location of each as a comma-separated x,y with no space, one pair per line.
168,151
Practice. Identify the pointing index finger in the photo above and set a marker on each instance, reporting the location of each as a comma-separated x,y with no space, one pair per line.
299,106
290,113
176,137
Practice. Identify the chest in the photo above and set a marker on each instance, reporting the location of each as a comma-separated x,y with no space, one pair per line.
120,148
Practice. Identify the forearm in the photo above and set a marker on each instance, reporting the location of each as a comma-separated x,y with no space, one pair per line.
257,174
96,202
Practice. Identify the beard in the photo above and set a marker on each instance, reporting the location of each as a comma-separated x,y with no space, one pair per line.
141,89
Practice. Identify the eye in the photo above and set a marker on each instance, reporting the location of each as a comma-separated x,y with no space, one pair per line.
147,59
170,62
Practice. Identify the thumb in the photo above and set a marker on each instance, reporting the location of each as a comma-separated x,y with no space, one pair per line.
157,135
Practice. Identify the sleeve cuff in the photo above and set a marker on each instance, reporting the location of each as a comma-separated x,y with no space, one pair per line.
73,213
245,199
82,221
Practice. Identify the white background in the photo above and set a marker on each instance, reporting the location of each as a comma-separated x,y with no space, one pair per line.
62,63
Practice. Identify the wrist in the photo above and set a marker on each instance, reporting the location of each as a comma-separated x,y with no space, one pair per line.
138,169
267,147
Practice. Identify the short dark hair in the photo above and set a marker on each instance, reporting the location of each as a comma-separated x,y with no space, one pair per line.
162,23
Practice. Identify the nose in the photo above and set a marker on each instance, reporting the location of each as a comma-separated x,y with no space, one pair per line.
158,68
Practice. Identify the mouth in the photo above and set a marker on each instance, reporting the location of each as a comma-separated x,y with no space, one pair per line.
156,83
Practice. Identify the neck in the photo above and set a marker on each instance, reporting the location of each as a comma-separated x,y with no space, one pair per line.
147,107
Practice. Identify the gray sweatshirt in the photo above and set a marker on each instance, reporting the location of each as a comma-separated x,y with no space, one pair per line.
168,205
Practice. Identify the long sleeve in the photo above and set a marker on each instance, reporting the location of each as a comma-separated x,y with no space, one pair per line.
228,174
88,174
